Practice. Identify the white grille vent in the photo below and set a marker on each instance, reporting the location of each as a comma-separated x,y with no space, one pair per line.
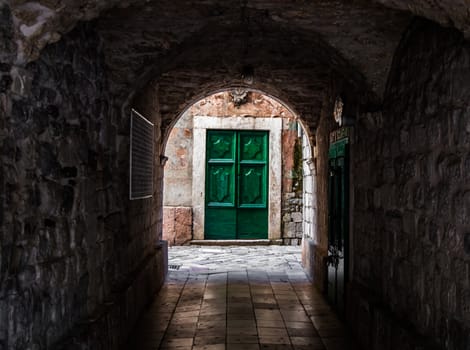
141,157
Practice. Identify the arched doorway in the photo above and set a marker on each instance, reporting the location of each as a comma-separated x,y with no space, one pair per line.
259,127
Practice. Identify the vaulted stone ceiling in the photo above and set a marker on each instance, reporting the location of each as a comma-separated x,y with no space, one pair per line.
355,38
285,36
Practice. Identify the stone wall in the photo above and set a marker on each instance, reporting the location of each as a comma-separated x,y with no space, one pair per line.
7,51
412,202
315,247
177,225
310,204
292,183
70,257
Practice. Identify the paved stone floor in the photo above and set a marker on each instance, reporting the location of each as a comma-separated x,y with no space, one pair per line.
238,298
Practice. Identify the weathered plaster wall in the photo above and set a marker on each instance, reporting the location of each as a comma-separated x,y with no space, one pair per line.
178,180
72,248
412,206
178,183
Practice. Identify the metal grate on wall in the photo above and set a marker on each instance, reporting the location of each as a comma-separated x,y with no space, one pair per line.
141,157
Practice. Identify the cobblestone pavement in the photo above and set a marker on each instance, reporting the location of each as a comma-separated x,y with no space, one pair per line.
204,259
238,298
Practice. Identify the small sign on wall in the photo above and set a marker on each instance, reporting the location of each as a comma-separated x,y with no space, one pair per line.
340,134
141,157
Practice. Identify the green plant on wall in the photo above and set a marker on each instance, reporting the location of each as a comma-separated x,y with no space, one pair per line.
297,171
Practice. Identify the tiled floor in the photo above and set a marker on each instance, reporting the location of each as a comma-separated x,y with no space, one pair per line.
238,298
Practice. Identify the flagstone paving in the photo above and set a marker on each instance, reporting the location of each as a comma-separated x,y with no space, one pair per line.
238,298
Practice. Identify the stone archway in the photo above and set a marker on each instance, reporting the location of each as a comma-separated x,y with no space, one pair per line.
288,178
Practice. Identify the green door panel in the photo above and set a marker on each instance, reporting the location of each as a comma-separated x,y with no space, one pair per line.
252,224
253,146
221,145
220,223
252,186
236,184
221,182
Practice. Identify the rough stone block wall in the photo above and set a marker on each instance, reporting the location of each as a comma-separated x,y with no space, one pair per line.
292,184
70,257
177,225
292,219
412,202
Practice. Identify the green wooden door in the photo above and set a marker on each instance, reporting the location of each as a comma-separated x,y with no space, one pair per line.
338,223
236,185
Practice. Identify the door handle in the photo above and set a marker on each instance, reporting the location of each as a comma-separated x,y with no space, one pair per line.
333,260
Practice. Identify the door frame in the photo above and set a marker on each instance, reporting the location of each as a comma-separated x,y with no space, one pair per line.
274,126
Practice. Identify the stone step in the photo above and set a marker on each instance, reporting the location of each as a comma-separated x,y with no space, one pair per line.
235,242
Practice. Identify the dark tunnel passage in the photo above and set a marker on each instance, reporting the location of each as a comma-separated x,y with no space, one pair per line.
380,88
